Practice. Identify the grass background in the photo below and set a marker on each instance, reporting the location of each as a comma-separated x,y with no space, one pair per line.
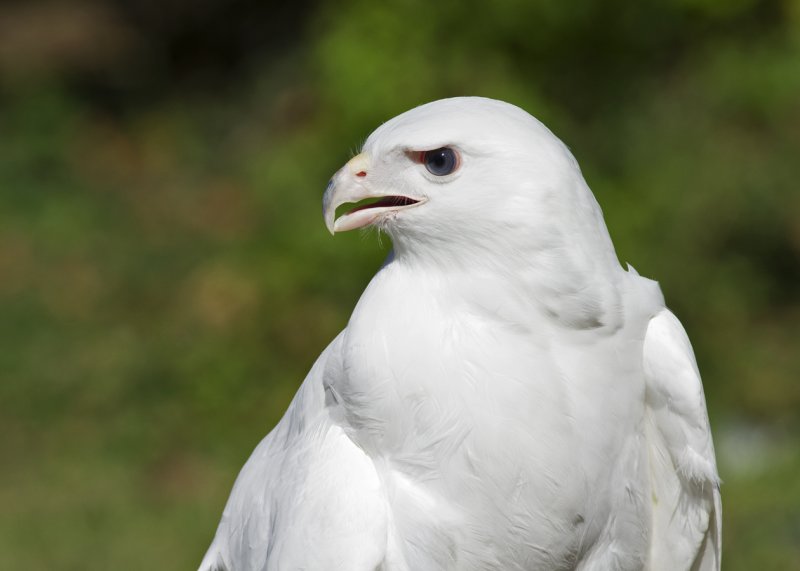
166,279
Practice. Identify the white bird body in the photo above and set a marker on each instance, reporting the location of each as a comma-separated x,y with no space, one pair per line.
505,395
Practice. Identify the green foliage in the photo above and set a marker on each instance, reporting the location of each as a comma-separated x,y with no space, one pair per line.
166,279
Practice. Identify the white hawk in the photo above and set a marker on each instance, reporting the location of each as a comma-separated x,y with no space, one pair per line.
505,395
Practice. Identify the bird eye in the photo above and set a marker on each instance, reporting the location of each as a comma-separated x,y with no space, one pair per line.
440,162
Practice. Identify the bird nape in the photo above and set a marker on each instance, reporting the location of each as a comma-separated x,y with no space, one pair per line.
505,394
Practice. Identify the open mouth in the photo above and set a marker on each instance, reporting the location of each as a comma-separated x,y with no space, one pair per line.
369,210
386,201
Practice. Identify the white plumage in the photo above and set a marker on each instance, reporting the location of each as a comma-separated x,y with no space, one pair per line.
505,395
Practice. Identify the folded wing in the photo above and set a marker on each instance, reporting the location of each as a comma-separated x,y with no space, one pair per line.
687,512
308,497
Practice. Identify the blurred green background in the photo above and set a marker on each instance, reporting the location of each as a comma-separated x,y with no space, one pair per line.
166,279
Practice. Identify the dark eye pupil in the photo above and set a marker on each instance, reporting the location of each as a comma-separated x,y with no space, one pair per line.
441,162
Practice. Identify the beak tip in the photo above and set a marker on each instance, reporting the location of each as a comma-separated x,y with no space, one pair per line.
330,225
328,208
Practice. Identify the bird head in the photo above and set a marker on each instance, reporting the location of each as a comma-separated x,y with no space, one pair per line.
463,176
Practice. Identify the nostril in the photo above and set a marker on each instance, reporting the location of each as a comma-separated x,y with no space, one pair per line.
361,174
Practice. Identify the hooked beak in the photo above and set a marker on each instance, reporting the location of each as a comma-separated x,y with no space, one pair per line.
353,184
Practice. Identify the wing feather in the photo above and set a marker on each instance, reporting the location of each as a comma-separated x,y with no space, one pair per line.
685,486
307,498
